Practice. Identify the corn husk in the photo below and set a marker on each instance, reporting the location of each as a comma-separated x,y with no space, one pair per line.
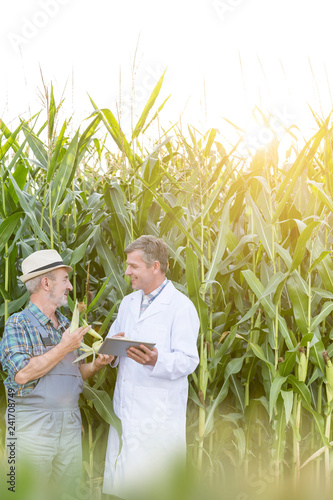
89,350
302,366
76,322
329,377
75,319
92,332
96,345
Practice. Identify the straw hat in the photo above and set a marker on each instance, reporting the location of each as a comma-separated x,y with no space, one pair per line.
41,262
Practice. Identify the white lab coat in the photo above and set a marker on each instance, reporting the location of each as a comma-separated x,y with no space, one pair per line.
151,401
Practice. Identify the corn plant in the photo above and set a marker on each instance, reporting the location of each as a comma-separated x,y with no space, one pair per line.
250,243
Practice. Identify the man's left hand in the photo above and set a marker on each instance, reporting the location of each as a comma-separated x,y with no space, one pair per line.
144,355
102,360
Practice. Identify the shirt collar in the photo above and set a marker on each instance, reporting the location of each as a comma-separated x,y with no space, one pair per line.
150,296
44,319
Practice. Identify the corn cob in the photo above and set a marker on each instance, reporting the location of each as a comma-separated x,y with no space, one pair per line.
329,377
89,351
75,319
84,347
92,332
96,345
302,366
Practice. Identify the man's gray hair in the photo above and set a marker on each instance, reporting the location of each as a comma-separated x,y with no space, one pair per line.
34,284
153,249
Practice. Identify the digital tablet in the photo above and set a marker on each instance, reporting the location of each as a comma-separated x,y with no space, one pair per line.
116,346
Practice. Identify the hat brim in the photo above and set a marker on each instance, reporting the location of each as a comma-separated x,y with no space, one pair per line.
29,276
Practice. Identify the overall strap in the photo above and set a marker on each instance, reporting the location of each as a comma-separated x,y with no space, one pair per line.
40,328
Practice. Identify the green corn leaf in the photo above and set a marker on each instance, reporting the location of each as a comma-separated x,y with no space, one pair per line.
318,260
109,262
99,294
36,145
117,134
210,141
325,265
263,229
64,175
325,311
80,251
8,227
275,391
260,354
220,244
11,142
103,404
280,432
234,366
51,114
15,305
150,103
284,254
318,189
300,305
108,318
301,389
222,349
84,356
288,398
29,210
169,210
299,166
301,244
193,286
287,366
259,290
55,153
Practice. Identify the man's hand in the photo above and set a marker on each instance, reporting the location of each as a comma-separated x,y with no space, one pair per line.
38,366
121,334
71,341
89,369
102,360
144,355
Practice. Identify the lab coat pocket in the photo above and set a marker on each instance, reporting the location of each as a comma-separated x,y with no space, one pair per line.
149,409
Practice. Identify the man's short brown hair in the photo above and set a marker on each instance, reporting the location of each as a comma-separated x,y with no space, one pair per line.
153,249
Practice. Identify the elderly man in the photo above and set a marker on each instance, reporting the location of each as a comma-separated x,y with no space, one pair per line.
151,390
43,385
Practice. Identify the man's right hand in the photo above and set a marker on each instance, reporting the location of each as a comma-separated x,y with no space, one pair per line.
38,366
72,341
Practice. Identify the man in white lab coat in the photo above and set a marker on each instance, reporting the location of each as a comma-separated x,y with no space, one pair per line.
151,390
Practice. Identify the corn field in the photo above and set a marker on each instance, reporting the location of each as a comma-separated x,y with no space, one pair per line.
250,239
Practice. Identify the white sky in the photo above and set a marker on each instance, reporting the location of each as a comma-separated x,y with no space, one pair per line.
200,42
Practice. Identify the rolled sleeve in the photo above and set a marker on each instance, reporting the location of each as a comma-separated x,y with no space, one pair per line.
16,349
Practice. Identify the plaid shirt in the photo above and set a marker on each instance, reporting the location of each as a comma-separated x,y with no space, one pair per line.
21,341
148,299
